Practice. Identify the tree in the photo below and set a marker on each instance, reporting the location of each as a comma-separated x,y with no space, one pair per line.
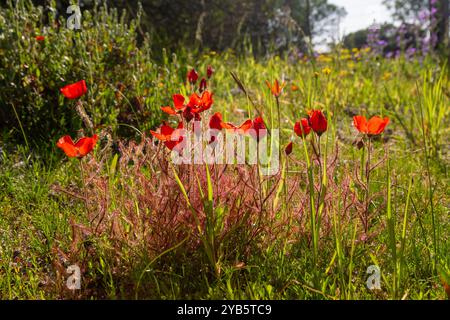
222,24
412,11
315,17
443,23
387,32
406,10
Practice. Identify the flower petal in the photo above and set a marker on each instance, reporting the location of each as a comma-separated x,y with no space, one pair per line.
376,125
178,101
215,122
302,128
318,122
86,145
360,123
169,110
66,144
74,90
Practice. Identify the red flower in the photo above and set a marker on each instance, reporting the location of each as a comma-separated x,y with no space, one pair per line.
40,38
79,149
170,136
276,88
203,85
242,129
193,108
259,129
209,71
169,110
372,127
288,149
192,76
215,123
203,103
318,121
178,101
74,90
302,128
446,288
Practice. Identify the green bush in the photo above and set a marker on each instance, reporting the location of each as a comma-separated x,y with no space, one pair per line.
125,87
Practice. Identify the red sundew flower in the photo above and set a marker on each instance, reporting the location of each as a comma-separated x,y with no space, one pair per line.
193,108
242,129
209,71
192,76
203,85
288,149
40,38
178,102
276,88
446,288
215,123
318,121
189,114
196,105
202,103
170,136
79,149
373,127
259,128
169,110
74,90
302,128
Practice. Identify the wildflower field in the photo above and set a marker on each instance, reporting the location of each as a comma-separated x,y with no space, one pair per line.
91,121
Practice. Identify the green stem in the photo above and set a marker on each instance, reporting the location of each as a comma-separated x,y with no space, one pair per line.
279,116
366,212
311,204
21,127
83,186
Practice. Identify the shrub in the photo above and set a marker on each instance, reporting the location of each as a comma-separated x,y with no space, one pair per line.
123,82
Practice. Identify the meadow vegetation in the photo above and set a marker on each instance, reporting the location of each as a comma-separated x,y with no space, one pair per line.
140,227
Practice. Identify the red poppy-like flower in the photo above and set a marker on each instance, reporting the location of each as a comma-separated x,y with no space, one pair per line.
193,108
288,149
259,129
242,129
178,103
40,38
302,128
169,110
192,76
170,136
203,85
79,149
215,123
373,127
318,121
203,103
446,288
74,90
209,71
276,88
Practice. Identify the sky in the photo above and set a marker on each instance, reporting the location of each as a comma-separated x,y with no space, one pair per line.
361,14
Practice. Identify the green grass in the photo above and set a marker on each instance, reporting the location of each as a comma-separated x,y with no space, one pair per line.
43,221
